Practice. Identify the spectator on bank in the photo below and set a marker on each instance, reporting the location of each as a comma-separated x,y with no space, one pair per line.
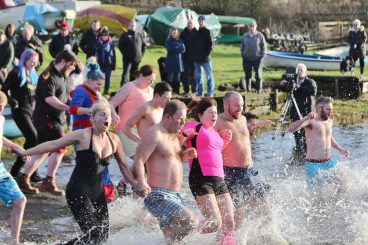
132,46
357,38
201,47
21,83
174,64
253,49
63,38
29,40
106,57
11,35
89,39
186,35
6,56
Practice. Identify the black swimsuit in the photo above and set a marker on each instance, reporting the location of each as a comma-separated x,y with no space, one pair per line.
85,196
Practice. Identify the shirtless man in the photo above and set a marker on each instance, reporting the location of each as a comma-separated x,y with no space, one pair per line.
318,132
253,124
149,113
237,158
160,149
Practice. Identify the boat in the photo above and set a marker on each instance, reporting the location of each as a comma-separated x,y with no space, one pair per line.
232,28
158,24
276,59
11,129
116,17
41,16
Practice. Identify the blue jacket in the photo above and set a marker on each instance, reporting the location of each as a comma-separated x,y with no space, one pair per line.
175,48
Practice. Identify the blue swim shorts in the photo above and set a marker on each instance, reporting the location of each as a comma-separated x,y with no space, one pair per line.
312,169
9,189
244,184
164,204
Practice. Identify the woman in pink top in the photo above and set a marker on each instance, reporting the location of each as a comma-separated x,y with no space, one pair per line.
206,176
129,98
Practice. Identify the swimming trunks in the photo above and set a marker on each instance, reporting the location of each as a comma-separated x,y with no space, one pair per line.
313,169
204,185
9,189
164,204
243,184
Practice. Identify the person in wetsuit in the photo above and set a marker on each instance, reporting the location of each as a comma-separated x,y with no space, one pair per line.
21,83
95,148
206,176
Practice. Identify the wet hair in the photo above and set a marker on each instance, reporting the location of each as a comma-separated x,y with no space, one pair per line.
250,115
94,73
198,107
161,88
66,55
100,105
146,70
323,100
172,106
3,98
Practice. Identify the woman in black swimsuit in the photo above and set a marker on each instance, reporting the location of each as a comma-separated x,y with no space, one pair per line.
95,148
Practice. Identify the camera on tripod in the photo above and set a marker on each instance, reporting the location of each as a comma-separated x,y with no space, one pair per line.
291,77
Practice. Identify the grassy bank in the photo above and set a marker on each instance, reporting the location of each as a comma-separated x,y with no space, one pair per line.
227,68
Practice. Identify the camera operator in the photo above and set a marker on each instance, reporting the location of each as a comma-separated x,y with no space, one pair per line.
303,88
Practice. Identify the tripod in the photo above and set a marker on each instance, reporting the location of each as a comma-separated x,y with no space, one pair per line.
285,113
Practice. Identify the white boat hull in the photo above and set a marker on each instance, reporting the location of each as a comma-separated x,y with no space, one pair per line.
11,16
276,61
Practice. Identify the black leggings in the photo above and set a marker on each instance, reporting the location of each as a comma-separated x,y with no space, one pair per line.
23,119
92,217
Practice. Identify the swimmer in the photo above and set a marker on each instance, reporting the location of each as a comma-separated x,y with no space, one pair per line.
206,176
160,150
318,132
95,148
253,124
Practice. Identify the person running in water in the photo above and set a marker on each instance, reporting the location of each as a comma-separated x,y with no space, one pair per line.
160,151
206,176
95,148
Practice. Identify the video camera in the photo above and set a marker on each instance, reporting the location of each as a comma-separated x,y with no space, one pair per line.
291,77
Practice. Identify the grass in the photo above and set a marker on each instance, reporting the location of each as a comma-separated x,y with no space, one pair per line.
227,68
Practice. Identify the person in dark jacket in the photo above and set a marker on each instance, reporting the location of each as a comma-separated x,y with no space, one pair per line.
188,75
305,89
6,56
63,38
29,40
11,35
201,48
132,46
106,57
174,64
89,39
21,83
357,38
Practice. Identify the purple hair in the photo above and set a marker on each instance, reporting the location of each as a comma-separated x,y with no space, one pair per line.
26,55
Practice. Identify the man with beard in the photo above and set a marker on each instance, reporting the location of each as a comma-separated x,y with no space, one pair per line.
240,176
318,133
52,93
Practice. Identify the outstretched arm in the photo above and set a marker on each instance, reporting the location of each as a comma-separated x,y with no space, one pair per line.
302,123
50,146
335,145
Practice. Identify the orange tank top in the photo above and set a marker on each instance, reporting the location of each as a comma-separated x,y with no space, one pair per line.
135,98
